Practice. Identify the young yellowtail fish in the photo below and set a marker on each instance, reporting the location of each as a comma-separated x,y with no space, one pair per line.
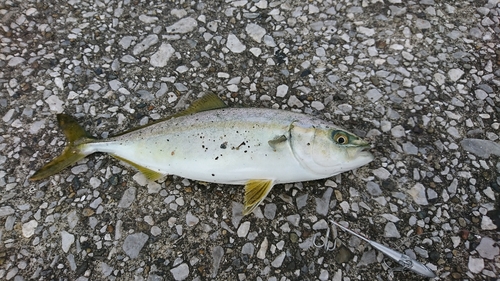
405,261
212,143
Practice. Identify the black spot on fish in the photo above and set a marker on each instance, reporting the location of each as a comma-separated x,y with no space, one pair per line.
223,145
213,175
241,144
217,158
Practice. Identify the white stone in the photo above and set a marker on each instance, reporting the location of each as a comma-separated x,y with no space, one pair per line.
191,220
476,265
256,51
281,91
29,228
147,19
366,31
8,116
455,74
162,56
373,95
59,83
67,239
14,61
294,101
278,261
381,173
55,104
317,105
418,194
255,32
243,229
261,254
234,44
487,223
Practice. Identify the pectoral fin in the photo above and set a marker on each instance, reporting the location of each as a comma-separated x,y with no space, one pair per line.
148,173
255,192
277,141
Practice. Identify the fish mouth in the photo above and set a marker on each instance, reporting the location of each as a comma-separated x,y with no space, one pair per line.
364,152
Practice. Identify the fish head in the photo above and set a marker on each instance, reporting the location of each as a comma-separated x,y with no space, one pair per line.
327,150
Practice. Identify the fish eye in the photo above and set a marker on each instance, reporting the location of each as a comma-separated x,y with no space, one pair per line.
340,137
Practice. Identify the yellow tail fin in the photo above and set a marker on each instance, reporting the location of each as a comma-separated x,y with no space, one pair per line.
76,137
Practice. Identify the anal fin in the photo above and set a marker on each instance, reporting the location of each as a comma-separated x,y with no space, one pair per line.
255,192
148,173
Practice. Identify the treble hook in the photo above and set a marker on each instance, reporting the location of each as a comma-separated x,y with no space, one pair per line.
326,242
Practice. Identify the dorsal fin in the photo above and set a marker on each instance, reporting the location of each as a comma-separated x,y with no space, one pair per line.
207,102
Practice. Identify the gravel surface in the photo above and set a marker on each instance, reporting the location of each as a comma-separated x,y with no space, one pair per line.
418,79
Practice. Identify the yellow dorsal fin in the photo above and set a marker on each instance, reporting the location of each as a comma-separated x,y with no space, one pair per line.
207,102
255,192
148,173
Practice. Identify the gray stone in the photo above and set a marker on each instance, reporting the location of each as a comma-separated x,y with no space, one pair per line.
180,272
278,261
398,131
488,248
410,148
145,44
373,188
270,211
367,258
217,254
15,61
381,173
191,220
248,249
391,231
301,201
481,148
323,203
455,74
128,197
423,24
134,243
373,95
6,211
184,25
418,90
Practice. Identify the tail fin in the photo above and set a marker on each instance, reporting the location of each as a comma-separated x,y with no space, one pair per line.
77,137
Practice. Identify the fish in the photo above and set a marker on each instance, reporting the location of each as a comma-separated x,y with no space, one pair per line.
211,142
